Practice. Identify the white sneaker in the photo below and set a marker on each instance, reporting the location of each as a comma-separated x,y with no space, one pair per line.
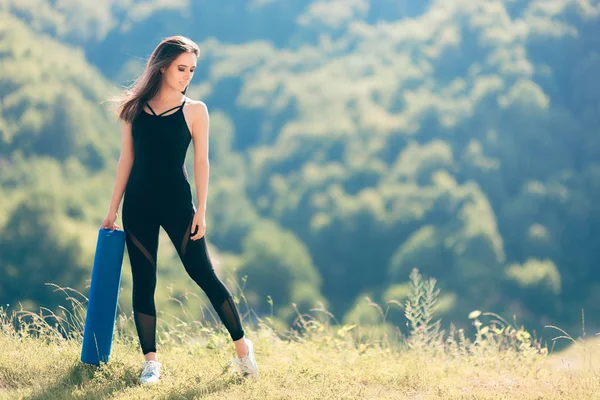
151,372
246,367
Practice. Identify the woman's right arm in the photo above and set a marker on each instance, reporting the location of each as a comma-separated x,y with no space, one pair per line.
123,170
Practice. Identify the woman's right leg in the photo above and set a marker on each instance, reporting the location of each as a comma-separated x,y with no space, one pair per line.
142,231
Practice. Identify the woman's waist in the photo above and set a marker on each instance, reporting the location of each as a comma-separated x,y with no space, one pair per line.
167,173
156,182
158,192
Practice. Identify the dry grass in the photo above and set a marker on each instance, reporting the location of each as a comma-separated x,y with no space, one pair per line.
319,360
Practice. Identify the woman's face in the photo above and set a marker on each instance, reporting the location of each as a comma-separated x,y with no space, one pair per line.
179,74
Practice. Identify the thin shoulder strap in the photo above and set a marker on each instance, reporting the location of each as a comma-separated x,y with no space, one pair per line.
148,104
170,109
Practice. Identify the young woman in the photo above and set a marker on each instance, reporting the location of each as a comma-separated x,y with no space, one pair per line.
158,124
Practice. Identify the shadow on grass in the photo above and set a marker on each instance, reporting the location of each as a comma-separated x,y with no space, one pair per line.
202,389
93,382
78,377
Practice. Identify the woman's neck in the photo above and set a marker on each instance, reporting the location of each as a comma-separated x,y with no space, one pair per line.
167,95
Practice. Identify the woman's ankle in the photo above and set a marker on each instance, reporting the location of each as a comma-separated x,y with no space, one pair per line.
241,347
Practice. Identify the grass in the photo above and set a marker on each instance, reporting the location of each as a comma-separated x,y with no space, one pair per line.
316,359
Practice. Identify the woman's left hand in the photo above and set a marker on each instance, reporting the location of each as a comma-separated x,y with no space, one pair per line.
198,222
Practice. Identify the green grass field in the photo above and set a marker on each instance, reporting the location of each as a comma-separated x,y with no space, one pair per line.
319,360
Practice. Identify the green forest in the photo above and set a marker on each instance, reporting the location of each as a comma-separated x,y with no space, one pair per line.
350,142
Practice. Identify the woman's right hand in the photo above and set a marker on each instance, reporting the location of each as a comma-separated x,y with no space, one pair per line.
109,221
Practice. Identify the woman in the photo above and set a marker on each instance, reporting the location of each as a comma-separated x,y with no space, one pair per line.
158,124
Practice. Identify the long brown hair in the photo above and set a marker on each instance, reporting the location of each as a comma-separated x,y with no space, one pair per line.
131,103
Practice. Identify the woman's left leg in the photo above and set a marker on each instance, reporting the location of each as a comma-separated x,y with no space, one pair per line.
196,260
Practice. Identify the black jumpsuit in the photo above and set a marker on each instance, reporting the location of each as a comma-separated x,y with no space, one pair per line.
158,194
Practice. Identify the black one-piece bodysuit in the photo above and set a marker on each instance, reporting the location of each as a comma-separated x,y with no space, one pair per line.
157,194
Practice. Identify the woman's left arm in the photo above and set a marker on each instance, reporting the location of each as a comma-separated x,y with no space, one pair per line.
200,130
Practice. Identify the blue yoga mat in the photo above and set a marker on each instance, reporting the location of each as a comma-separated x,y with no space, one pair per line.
103,297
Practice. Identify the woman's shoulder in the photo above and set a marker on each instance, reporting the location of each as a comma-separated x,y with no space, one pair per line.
196,108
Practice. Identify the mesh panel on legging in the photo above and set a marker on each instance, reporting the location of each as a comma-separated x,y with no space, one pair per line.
231,318
146,328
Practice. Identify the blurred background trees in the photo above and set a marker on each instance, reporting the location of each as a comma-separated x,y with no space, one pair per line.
351,141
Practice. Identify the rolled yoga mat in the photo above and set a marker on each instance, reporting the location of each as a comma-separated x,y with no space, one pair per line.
103,297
